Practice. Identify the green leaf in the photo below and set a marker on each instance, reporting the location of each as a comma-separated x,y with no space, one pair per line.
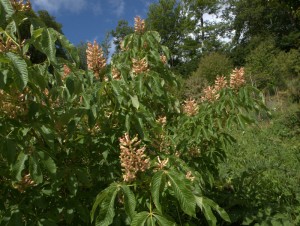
217,208
107,212
35,170
11,29
68,46
162,221
157,185
156,36
102,196
20,67
129,202
7,8
48,43
48,162
44,40
18,167
135,101
140,219
48,135
185,197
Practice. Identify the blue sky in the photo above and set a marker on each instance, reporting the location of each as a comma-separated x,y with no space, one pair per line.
87,20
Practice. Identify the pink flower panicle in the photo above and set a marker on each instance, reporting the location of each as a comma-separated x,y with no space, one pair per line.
116,74
139,66
237,78
161,164
67,71
210,94
95,59
163,59
19,5
190,107
133,158
220,83
139,25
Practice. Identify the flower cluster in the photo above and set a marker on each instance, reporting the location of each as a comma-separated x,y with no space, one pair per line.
237,78
190,176
209,94
160,164
95,59
190,107
7,46
24,183
162,120
19,5
132,157
220,83
116,74
67,71
163,59
13,105
139,25
139,66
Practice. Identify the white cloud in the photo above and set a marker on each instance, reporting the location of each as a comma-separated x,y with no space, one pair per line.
112,50
57,5
97,8
118,6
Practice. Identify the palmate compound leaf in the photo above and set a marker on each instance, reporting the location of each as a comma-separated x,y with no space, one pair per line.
157,185
206,205
20,67
105,200
152,219
185,197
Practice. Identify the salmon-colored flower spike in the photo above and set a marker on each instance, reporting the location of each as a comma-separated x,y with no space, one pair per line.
210,94
20,5
163,59
116,74
237,78
190,176
67,71
162,120
133,158
139,25
161,164
7,46
190,107
95,59
139,66
220,83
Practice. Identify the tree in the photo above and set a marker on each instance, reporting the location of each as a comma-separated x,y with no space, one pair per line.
259,19
120,32
183,29
69,134
49,20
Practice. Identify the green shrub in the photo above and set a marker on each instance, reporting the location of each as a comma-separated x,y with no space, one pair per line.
210,66
270,69
259,181
108,145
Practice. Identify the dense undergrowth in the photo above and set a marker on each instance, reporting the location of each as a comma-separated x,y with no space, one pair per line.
259,180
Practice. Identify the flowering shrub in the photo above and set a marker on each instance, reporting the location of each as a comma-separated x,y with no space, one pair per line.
68,134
